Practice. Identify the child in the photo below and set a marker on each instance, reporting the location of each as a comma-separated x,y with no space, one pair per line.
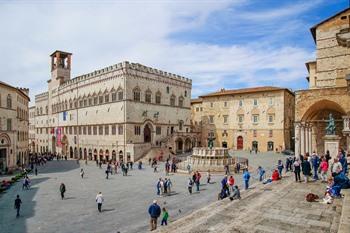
165,217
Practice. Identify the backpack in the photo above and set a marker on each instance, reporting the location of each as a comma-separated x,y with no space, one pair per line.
310,197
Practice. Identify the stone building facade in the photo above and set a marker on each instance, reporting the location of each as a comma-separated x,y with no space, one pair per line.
31,134
246,119
328,87
13,126
118,112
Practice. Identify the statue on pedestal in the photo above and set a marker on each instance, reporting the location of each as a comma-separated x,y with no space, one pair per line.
330,129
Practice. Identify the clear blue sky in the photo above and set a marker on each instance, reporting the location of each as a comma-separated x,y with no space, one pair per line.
230,44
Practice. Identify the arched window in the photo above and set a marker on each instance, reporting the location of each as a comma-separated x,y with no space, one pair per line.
47,109
185,93
167,90
172,100
9,101
148,96
120,93
106,94
158,97
114,95
41,110
137,94
181,101
181,124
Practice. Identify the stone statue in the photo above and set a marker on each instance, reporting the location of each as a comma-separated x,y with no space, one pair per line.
330,129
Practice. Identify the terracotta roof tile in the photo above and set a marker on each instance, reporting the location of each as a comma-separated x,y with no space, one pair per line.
245,91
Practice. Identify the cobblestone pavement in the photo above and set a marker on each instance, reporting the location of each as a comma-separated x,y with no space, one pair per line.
125,207
278,207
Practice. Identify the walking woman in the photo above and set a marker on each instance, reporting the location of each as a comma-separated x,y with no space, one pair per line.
306,169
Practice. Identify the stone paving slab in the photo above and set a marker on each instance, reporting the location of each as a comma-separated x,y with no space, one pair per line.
281,209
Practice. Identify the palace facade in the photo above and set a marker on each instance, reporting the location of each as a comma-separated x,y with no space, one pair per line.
119,112
329,88
258,118
13,126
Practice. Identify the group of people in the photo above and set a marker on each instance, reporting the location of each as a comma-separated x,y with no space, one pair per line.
229,189
164,186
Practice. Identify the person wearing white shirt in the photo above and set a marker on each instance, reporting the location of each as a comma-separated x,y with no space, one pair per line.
99,200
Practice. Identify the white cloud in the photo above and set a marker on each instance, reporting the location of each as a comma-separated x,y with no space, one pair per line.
99,35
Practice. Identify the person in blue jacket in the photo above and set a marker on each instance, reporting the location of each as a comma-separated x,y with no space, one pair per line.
315,160
154,212
261,173
246,177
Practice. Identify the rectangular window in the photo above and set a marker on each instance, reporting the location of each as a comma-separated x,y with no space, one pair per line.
255,102
158,130
75,130
9,124
255,118
271,101
240,118
89,130
197,109
90,101
95,130
137,130
106,129
158,97
106,98
254,133
270,118
100,99
120,130
95,100
211,105
81,103
225,119
79,130
225,104
201,109
114,97
211,119
100,130
270,133
240,103
114,130
84,130
70,130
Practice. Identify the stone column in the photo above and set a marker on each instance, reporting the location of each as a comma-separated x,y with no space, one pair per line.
310,139
346,131
297,139
302,139
306,138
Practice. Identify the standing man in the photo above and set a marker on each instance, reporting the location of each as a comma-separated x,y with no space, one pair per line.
154,212
18,203
36,171
246,177
62,190
99,200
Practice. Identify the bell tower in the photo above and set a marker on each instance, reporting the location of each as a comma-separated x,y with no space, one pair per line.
60,67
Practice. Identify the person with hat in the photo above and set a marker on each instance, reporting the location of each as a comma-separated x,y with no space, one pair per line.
154,212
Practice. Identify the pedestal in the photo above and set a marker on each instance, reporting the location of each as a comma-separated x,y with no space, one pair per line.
331,143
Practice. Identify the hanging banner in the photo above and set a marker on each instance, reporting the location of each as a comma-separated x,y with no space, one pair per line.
59,136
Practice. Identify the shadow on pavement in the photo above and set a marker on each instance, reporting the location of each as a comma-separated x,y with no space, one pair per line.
8,220
58,166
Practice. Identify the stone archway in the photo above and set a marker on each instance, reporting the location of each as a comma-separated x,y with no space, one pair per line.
95,154
80,153
188,145
75,153
85,154
90,154
71,153
5,143
179,145
310,130
100,155
64,145
147,133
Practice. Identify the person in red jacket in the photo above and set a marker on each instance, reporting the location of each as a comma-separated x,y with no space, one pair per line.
231,182
275,175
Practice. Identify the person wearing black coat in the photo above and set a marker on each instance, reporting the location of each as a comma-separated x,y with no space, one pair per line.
306,167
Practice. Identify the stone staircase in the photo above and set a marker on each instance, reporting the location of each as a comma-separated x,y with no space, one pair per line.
277,207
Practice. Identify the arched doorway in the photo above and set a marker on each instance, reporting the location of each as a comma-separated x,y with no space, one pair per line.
120,156
90,154
71,152
100,155
75,153
255,146
114,156
95,154
147,133
5,143
270,146
53,144
80,153
179,145
64,145
224,144
85,154
107,155
188,145
239,143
